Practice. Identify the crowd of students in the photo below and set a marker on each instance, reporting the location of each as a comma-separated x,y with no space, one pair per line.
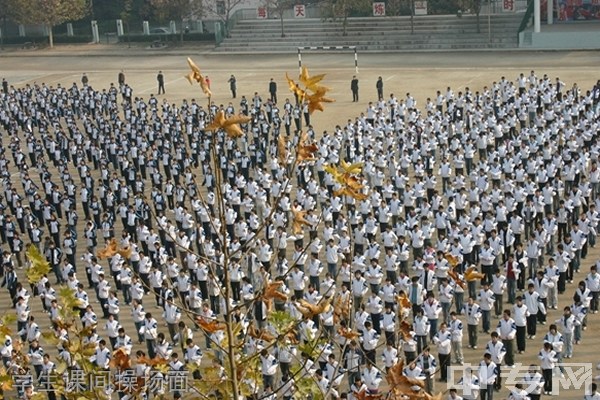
504,179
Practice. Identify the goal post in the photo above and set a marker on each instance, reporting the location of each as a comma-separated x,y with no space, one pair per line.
327,48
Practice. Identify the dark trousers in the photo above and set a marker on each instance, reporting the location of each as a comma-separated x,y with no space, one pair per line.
547,373
532,324
487,392
521,340
472,331
498,300
150,347
541,317
485,317
444,365
421,342
562,280
594,302
510,352
376,319
498,382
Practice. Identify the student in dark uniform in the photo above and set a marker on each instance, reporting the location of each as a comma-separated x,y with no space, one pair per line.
161,82
379,86
273,90
354,88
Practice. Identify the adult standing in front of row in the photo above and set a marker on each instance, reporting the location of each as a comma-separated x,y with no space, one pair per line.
354,88
379,86
160,78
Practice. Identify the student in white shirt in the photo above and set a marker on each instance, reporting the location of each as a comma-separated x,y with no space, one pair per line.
548,360
567,324
488,377
124,342
518,393
520,314
533,382
389,356
357,389
453,395
443,340
112,327
456,329
593,284
593,394
470,385
371,377
102,356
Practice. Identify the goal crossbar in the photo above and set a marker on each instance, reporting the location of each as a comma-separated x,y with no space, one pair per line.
327,48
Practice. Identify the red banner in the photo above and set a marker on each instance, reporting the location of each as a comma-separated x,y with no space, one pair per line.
574,10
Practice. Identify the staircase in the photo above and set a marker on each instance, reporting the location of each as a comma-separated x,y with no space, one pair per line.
375,34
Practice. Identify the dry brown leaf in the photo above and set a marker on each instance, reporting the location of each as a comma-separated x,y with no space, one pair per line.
230,125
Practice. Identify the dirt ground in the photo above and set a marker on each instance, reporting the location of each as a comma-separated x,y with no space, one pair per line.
420,74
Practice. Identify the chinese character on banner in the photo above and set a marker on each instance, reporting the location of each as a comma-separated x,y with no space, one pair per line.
508,5
420,7
299,11
261,13
99,380
177,381
379,9
76,381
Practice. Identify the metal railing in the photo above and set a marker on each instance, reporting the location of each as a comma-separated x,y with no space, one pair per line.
526,17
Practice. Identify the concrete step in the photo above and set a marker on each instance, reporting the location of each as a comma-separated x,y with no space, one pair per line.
429,19
377,28
368,41
289,32
429,47
376,47
430,32
351,35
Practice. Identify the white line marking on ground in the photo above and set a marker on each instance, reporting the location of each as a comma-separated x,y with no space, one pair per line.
154,88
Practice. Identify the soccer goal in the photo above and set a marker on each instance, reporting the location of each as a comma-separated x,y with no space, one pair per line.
327,48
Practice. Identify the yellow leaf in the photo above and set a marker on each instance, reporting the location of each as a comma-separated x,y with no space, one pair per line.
89,350
61,367
311,83
39,265
282,149
316,99
294,88
6,380
50,338
196,76
298,221
355,168
230,125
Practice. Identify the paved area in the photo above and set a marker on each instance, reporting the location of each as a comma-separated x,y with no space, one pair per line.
420,74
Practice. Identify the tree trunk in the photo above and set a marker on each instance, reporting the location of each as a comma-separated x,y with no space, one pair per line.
3,33
478,26
281,19
229,319
50,37
181,33
226,27
345,24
